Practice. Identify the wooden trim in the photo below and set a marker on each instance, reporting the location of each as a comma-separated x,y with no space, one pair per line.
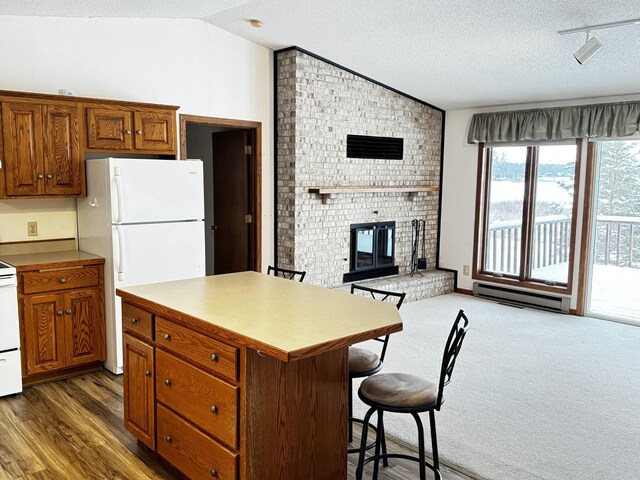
329,190
256,170
64,98
464,291
587,224
531,169
479,221
62,373
516,282
37,241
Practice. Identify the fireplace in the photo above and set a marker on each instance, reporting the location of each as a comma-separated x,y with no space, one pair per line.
372,251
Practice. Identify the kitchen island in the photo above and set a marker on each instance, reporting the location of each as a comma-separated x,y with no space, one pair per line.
244,376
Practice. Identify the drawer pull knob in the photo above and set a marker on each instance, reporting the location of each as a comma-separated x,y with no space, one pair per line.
214,357
63,280
128,132
134,321
60,313
147,373
214,409
168,439
68,311
139,132
167,336
167,382
214,473
49,176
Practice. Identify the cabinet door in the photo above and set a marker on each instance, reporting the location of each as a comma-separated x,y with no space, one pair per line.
155,131
84,326
108,129
23,147
139,395
62,160
44,333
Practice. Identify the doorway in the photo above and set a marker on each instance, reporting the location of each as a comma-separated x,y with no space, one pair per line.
614,266
231,155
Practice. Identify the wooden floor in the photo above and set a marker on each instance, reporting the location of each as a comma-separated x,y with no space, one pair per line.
73,429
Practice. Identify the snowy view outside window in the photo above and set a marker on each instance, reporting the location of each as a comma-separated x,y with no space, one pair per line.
553,203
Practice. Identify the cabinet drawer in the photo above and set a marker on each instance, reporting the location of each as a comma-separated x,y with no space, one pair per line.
191,451
135,319
205,351
207,401
65,279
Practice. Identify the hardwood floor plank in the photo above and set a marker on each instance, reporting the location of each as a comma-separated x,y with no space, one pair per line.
73,429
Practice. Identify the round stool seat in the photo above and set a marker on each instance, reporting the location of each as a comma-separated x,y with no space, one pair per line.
399,390
362,360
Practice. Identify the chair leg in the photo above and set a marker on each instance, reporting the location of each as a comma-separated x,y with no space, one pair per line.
421,459
379,437
363,444
350,409
434,439
385,460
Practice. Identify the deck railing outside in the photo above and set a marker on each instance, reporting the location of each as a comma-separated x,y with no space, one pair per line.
617,243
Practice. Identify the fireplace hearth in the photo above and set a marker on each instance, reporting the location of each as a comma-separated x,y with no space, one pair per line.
372,251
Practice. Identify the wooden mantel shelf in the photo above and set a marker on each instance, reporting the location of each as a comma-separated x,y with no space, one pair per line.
330,190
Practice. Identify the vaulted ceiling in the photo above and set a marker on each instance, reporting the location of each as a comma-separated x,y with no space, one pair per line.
453,54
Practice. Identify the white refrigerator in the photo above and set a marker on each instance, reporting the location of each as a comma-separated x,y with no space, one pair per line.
146,218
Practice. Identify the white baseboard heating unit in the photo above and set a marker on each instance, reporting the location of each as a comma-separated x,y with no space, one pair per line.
508,295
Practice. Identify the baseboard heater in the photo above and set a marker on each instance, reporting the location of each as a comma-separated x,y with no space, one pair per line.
544,301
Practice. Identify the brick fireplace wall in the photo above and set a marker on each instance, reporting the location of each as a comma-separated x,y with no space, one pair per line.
317,105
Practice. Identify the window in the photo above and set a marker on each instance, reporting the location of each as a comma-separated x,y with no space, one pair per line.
525,220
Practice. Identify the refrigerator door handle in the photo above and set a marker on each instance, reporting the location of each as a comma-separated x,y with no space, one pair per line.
119,194
121,253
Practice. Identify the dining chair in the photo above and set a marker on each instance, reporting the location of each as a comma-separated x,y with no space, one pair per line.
286,273
406,393
364,362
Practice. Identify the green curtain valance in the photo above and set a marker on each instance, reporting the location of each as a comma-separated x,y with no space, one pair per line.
601,120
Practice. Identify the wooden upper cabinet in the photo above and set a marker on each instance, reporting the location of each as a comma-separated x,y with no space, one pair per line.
23,148
108,129
63,164
155,130
134,129
42,149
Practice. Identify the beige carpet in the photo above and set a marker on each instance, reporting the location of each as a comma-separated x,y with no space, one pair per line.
535,395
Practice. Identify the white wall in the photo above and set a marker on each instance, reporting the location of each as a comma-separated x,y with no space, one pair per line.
203,69
459,186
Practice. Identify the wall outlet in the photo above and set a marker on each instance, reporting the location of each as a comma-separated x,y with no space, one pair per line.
465,270
32,229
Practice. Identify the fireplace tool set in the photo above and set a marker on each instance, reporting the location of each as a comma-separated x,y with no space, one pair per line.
418,238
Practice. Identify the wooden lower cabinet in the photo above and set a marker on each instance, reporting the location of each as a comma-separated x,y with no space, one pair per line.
138,386
226,411
61,320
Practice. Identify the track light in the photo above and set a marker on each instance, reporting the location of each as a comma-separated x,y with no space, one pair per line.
589,49
593,45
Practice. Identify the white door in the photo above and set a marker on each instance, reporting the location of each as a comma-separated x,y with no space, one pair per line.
156,190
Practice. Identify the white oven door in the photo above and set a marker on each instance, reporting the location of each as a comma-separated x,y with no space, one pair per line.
9,327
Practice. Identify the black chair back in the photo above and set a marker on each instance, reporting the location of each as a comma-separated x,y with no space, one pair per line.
383,296
451,351
286,273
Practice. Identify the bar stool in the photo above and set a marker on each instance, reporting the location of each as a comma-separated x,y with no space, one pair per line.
286,273
364,362
406,393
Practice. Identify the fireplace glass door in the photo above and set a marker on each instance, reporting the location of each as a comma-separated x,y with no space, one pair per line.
372,251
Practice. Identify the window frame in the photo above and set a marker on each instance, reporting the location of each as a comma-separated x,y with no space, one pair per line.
522,279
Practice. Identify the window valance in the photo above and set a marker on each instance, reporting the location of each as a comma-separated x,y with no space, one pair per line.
560,123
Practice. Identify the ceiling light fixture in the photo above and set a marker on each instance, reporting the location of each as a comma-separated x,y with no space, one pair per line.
255,23
593,45
589,49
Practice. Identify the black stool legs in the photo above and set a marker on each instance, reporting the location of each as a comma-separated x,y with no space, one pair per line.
381,444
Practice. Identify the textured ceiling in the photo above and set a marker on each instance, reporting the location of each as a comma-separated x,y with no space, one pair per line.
465,53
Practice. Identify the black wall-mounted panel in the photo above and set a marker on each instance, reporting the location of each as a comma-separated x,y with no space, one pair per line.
365,146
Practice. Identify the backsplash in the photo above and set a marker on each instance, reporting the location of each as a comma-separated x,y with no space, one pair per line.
56,218
318,105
